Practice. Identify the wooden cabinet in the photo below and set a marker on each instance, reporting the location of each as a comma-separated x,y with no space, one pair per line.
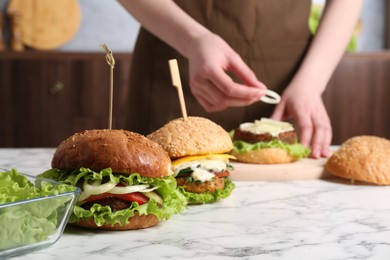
358,96
47,96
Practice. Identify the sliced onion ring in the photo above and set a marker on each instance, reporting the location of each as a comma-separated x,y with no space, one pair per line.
97,188
133,188
270,97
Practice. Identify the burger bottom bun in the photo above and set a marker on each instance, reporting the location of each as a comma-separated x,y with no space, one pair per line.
265,156
362,158
135,222
201,187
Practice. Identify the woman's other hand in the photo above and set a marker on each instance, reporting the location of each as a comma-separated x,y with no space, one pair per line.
307,110
301,100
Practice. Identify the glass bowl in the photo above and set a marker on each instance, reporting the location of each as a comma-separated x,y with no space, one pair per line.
36,222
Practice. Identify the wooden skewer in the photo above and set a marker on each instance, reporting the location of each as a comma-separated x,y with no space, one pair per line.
111,61
176,82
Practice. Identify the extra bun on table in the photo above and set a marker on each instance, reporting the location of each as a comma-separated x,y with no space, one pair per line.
198,148
267,141
362,158
193,136
118,172
123,151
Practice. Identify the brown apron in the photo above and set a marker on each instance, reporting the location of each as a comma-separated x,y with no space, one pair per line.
271,37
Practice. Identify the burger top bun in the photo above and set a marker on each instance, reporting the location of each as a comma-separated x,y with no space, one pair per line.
363,158
193,136
123,151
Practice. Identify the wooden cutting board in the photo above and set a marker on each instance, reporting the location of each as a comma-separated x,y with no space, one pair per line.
46,24
301,170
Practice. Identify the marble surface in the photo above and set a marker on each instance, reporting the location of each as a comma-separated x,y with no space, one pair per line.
310,219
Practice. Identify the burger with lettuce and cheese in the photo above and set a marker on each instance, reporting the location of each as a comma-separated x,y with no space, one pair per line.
199,150
125,179
267,141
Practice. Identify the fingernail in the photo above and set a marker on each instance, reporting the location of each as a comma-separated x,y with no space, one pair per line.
259,94
325,152
315,153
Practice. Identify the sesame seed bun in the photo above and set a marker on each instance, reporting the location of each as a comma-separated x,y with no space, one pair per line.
135,222
123,151
362,158
193,136
265,156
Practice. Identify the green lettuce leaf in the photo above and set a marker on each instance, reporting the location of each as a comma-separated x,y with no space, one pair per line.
31,222
297,150
208,197
174,201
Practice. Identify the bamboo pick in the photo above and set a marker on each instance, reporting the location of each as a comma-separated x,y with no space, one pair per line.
111,61
176,82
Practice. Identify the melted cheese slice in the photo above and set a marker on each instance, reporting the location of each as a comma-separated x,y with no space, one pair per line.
222,157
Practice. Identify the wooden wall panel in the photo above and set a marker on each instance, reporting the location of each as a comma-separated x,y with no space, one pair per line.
358,96
35,115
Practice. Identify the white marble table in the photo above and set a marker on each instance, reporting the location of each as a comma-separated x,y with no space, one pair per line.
311,219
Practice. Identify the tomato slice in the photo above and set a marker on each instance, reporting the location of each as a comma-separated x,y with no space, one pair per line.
221,174
134,196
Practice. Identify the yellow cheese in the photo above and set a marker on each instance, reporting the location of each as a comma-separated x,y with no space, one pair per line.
222,157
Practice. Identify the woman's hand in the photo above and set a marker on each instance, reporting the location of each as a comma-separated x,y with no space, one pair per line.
209,56
301,100
306,108
209,61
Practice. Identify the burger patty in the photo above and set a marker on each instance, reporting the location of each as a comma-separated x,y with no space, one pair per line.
114,203
201,187
289,137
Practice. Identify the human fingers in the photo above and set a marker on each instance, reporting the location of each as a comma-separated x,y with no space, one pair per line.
204,102
328,141
214,100
242,71
221,80
279,111
210,106
322,135
305,128
208,96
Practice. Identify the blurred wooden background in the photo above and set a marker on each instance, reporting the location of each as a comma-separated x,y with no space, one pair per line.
358,96
47,96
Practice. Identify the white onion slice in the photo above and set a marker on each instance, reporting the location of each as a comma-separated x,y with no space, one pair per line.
83,196
133,188
155,196
110,187
270,97
98,188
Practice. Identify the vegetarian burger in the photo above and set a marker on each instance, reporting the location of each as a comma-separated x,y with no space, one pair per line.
267,141
198,147
125,179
